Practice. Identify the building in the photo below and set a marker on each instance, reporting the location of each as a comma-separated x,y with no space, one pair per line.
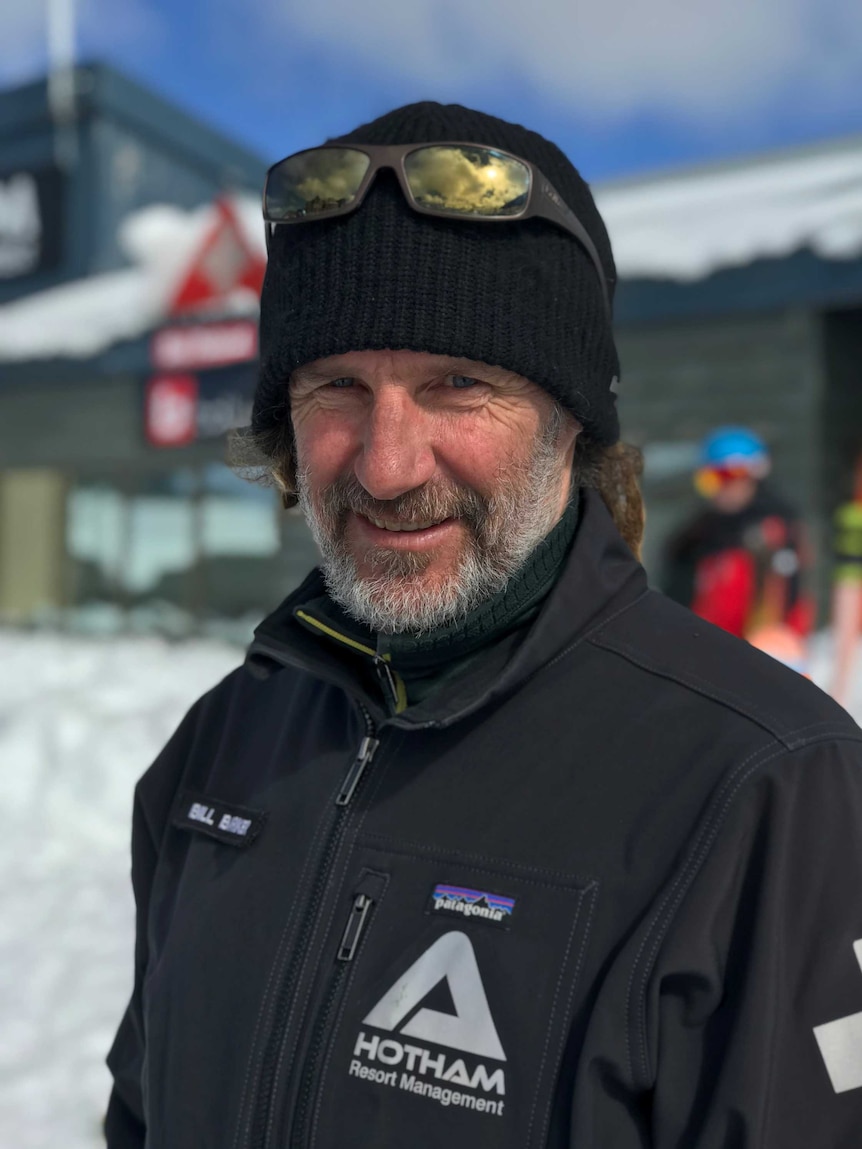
740,301
130,259
130,265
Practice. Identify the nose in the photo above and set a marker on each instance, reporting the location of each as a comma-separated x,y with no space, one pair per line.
397,454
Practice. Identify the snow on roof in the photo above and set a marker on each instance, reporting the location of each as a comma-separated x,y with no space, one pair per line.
686,226
76,320
85,317
682,226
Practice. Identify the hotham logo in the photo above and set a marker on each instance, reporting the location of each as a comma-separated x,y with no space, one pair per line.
469,1029
841,1045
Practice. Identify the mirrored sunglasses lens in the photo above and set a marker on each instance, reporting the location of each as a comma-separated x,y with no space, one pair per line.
313,182
467,180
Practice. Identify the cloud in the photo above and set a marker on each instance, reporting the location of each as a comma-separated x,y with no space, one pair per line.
104,29
692,60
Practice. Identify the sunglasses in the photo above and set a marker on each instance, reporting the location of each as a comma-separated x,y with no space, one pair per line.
708,481
450,180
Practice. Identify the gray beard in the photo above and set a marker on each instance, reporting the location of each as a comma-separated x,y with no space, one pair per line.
503,531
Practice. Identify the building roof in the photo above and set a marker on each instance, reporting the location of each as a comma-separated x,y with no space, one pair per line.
102,90
687,225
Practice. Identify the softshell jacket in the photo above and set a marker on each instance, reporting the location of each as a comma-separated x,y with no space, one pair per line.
604,892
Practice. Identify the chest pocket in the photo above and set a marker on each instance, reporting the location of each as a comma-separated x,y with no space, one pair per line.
452,1004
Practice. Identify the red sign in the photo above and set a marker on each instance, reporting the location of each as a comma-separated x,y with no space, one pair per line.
171,410
204,345
224,261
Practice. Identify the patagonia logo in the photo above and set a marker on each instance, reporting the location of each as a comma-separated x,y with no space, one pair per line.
234,825
462,902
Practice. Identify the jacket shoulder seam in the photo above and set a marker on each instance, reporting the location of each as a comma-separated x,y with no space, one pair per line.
791,738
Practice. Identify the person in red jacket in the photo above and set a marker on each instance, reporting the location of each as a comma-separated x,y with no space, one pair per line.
740,562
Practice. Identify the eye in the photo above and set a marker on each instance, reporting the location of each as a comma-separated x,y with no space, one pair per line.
464,382
343,381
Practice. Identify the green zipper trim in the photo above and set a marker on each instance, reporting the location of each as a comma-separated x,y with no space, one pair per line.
400,691
336,634
400,688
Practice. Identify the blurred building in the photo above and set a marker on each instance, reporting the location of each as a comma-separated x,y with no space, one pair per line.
131,255
740,301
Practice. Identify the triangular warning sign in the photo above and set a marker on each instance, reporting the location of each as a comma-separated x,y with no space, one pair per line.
470,1028
224,261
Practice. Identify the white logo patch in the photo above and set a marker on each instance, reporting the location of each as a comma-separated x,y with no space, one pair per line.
471,1029
841,1045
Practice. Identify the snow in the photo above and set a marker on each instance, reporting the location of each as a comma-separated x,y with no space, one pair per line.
78,319
82,318
80,720
682,226
687,226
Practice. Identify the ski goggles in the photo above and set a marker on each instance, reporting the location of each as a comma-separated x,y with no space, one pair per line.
708,481
451,180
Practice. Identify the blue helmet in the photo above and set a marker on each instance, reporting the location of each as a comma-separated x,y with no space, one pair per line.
735,447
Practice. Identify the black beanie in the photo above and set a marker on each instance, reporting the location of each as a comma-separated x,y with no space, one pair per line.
522,295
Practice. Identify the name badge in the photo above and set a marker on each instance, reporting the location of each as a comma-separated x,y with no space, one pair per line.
224,821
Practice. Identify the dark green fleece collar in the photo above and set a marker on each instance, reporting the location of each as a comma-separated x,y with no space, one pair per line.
423,661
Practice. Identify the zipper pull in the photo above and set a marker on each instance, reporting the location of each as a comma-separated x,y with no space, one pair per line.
357,768
387,680
355,925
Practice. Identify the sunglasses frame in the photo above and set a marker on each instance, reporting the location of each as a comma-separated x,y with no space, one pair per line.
543,200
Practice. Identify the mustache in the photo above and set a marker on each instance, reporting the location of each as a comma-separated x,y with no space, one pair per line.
436,500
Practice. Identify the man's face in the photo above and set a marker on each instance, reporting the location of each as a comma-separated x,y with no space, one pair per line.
734,495
426,480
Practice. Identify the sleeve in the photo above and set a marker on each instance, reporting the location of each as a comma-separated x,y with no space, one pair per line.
752,1017
125,1123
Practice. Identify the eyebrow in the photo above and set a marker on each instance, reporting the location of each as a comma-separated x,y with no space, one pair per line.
308,375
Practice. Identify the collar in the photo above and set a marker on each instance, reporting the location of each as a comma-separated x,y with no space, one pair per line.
514,605
600,576
411,667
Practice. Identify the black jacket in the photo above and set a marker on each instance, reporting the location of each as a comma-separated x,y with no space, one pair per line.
604,894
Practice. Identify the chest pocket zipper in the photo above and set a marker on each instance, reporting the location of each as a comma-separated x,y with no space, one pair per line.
369,890
362,904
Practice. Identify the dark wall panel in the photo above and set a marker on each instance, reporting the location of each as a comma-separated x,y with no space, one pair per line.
681,380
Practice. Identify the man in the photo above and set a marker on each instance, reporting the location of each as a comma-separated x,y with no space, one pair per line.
487,845
739,563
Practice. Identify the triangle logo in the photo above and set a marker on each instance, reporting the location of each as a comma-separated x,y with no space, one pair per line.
470,1028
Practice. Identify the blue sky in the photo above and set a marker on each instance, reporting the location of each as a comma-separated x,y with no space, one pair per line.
624,86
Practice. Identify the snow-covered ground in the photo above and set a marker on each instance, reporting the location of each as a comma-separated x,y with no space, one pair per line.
80,719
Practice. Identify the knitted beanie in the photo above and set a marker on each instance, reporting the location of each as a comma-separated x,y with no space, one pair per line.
522,295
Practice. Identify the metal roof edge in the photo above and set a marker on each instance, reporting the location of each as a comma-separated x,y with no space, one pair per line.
102,89
116,93
760,159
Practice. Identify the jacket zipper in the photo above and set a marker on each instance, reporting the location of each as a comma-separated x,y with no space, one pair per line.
357,921
360,763
267,1084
